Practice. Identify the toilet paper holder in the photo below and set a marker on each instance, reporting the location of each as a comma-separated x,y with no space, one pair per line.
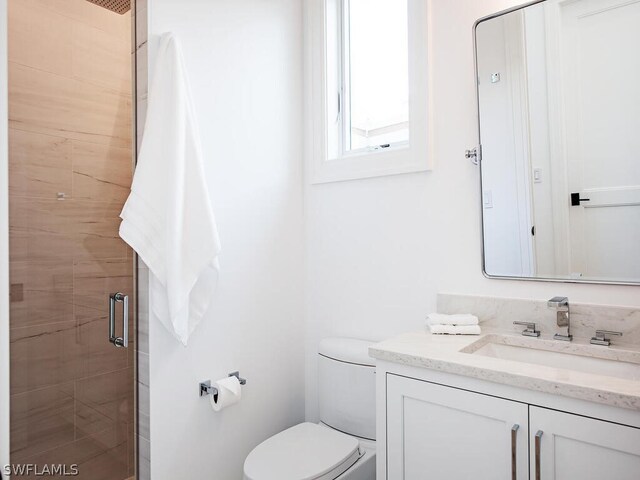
207,389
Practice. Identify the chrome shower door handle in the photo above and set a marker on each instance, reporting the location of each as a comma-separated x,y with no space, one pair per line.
122,341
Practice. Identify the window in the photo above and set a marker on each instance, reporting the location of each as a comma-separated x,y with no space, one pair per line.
375,74
370,110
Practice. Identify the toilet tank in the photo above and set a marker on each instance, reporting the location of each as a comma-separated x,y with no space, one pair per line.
347,386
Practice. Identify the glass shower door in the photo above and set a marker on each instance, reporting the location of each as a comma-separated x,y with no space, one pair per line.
70,169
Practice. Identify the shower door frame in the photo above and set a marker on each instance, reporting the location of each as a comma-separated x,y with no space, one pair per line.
5,365
4,245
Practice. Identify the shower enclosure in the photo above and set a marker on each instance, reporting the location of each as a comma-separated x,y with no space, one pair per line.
71,278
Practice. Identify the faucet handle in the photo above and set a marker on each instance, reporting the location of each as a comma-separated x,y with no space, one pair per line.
530,331
601,337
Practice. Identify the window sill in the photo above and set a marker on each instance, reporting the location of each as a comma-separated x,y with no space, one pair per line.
397,147
370,164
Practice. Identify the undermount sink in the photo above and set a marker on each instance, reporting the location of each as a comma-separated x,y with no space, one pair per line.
613,362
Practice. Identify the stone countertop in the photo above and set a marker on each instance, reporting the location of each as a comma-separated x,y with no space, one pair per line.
444,353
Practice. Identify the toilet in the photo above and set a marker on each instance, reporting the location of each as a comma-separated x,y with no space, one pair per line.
342,445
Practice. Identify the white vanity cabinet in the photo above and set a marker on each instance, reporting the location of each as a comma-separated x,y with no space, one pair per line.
567,447
438,432
432,430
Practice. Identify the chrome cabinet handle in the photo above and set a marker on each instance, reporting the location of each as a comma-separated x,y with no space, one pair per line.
514,440
538,442
122,341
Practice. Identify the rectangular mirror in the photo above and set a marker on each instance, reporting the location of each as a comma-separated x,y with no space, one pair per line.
559,117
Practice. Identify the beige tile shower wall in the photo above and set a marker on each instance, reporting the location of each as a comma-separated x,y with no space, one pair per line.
70,127
144,446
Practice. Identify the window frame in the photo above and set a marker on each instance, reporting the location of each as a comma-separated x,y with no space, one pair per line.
400,157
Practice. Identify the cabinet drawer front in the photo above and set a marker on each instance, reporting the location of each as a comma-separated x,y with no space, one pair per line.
437,432
576,447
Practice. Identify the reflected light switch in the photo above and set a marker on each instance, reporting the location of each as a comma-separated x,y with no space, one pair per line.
537,175
487,199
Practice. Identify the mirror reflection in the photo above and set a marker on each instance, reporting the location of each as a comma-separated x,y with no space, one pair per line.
559,107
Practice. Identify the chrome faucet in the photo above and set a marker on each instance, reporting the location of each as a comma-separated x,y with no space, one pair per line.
563,319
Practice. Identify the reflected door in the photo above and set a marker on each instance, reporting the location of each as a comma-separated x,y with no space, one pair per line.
600,88
70,155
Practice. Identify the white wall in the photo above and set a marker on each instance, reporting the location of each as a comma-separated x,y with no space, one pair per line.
244,61
378,250
4,244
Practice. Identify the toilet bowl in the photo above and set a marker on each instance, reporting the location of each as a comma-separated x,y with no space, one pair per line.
310,451
342,445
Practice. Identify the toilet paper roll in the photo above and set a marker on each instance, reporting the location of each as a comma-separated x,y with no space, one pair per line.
229,392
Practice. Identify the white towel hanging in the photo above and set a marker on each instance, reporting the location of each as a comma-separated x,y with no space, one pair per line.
168,218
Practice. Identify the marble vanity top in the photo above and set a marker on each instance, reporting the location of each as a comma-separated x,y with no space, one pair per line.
454,354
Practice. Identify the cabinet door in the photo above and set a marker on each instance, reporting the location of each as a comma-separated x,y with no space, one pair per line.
436,432
573,447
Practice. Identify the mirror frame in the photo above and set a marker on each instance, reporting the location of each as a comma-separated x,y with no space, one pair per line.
479,164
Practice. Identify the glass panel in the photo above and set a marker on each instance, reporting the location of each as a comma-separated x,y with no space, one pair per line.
377,74
70,168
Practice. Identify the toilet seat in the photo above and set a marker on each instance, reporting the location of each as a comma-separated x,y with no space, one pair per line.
306,451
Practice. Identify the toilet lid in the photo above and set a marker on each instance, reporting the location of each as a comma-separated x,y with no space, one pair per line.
304,452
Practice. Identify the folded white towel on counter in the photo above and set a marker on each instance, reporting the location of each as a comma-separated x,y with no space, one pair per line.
455,329
455,319
168,218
